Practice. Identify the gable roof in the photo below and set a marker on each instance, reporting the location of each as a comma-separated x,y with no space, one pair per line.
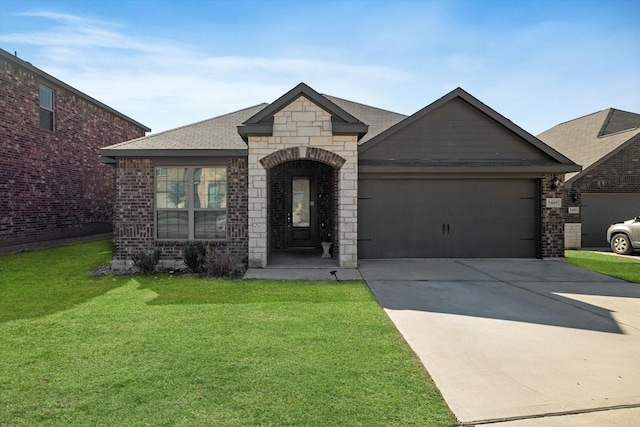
594,138
557,161
262,122
26,65
219,136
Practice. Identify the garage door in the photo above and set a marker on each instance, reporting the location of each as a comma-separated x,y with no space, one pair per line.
600,210
448,218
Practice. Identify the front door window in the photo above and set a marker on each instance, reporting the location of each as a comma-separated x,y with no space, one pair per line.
301,208
301,199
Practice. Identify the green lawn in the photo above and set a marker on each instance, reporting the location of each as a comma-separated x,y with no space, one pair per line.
615,266
178,350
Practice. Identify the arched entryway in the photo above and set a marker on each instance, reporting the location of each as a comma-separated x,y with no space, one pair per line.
302,194
302,205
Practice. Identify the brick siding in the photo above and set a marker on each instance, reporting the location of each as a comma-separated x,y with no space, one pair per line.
134,214
619,174
553,219
52,185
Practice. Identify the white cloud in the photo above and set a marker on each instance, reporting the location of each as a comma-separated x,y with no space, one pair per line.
165,85
537,74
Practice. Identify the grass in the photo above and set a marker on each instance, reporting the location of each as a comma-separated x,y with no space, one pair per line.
180,350
615,266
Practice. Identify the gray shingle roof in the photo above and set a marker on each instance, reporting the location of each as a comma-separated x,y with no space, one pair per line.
378,119
590,139
221,133
620,121
218,133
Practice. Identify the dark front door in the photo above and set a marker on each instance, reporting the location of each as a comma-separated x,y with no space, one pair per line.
301,205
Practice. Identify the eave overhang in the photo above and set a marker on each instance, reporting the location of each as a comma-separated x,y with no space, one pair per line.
108,156
463,167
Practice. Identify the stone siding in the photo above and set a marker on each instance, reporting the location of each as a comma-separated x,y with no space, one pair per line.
303,130
134,214
52,185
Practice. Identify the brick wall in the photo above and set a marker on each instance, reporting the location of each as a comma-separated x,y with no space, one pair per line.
52,184
134,213
553,218
619,174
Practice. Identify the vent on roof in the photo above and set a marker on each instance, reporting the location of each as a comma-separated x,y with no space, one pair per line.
619,121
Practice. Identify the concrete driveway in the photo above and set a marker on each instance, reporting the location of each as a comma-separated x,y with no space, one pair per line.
519,342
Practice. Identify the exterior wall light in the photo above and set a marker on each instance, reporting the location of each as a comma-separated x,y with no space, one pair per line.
555,182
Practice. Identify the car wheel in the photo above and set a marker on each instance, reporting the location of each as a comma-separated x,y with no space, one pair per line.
620,244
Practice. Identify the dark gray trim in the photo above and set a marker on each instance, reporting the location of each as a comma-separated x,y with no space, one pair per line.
449,174
191,161
12,58
482,108
107,160
461,166
342,128
261,124
446,169
256,129
115,153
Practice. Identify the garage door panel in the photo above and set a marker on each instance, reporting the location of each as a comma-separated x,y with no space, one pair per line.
447,218
601,210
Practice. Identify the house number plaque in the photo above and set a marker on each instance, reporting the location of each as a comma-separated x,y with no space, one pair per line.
555,202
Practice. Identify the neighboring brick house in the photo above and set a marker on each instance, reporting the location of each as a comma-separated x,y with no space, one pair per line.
52,184
607,190
455,179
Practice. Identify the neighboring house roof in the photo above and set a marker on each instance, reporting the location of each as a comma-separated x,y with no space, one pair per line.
13,58
592,139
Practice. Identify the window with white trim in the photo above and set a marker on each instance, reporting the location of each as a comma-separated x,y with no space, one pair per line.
191,203
46,108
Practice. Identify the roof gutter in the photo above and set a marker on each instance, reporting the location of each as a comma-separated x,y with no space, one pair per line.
110,156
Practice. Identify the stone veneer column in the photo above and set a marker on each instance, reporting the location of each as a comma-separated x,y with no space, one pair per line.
257,207
303,124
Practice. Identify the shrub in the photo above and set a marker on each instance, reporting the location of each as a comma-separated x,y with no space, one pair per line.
195,257
222,264
145,262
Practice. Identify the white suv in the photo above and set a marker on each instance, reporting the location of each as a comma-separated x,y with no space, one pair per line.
624,237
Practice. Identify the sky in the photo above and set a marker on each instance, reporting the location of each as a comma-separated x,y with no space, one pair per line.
171,63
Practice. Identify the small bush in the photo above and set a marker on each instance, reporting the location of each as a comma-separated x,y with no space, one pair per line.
145,262
195,257
222,264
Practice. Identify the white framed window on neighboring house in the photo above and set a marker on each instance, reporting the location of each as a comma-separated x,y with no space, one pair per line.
191,203
47,114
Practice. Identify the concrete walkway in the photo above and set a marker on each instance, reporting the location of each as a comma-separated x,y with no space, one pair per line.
302,266
519,342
